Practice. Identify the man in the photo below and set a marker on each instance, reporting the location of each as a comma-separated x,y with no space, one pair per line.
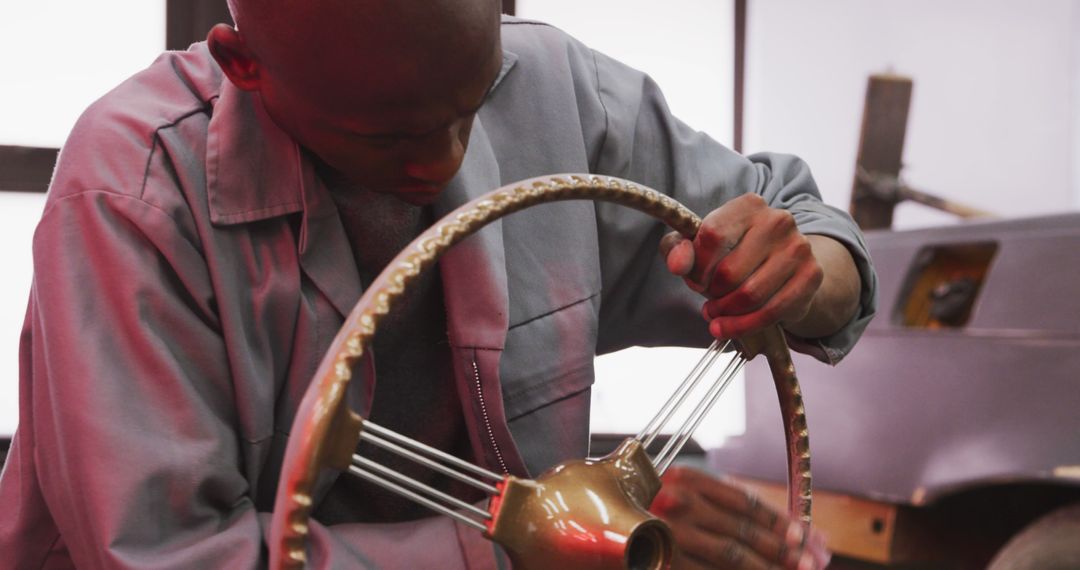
212,220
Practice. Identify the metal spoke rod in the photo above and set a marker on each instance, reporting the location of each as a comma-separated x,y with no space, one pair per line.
416,497
427,462
429,451
673,441
384,471
427,456
649,432
675,444
667,455
652,429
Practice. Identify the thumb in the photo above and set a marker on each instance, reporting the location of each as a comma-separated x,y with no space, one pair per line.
678,253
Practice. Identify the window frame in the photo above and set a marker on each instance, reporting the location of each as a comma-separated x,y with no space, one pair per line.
30,168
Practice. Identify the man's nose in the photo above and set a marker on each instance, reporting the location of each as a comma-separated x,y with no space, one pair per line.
438,157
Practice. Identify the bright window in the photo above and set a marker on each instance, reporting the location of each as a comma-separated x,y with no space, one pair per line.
19,213
59,56
687,46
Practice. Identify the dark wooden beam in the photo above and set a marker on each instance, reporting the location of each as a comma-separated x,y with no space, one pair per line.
26,168
881,148
740,73
188,21
509,7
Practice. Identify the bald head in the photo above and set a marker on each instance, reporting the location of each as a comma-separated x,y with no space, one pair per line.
426,43
375,28
369,69
449,10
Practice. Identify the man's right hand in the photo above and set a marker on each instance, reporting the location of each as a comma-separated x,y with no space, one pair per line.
719,525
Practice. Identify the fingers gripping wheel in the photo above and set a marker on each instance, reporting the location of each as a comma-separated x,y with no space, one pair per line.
326,432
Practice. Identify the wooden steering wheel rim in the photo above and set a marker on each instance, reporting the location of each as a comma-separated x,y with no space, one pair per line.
325,431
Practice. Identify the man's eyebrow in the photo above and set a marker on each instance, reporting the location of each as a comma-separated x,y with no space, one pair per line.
413,135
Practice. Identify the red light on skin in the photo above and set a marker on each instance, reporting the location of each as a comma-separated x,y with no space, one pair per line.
418,194
494,506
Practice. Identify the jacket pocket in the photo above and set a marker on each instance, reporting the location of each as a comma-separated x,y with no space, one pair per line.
547,373
549,357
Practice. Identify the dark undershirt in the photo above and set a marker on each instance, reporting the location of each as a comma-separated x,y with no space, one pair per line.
415,392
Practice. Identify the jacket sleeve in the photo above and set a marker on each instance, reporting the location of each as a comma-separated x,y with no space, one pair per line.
131,412
636,137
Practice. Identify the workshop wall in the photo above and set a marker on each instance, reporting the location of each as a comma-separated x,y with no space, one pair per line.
685,45
995,115
61,55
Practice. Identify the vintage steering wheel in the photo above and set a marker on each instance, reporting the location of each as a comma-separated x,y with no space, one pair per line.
325,432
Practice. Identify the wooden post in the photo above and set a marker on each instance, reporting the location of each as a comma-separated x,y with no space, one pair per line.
188,21
25,168
881,147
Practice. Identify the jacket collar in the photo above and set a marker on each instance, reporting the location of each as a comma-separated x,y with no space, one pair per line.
474,271
253,169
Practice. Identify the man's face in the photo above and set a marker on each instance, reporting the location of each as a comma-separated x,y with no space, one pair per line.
395,121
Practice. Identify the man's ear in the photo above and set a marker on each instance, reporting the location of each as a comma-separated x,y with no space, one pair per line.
234,56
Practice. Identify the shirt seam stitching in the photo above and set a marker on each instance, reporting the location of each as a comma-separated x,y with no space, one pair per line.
108,193
155,143
552,312
543,386
227,217
258,440
603,107
48,550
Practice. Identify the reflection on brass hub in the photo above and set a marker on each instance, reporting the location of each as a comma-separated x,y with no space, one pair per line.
584,514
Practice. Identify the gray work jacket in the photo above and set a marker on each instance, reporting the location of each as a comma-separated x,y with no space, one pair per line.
190,271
